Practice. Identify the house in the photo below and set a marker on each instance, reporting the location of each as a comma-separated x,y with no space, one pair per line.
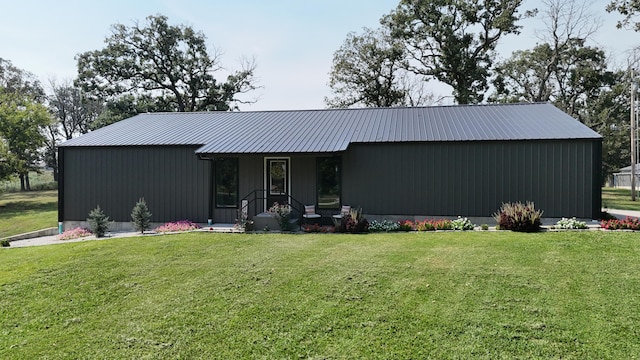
410,162
622,178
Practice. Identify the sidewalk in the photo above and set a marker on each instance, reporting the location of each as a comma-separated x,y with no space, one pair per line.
621,214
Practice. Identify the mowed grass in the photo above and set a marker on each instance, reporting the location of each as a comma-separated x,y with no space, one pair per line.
22,212
613,198
490,295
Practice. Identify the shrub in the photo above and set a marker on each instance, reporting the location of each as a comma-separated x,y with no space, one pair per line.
5,243
282,213
443,224
354,223
519,217
141,216
462,224
571,224
629,223
425,225
316,228
98,222
383,226
74,234
182,225
406,225
484,227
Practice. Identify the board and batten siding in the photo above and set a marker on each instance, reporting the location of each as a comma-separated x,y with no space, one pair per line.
473,178
171,179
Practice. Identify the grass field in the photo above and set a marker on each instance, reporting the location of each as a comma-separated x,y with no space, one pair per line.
22,212
613,198
490,295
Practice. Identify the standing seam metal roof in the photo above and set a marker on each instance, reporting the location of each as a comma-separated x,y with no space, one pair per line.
332,130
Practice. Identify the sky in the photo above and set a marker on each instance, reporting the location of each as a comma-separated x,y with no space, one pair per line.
292,41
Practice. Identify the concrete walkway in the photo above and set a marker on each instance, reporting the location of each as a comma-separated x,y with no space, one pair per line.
53,239
621,214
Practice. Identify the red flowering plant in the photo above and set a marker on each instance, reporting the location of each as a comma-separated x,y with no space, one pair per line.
316,228
406,225
629,223
182,225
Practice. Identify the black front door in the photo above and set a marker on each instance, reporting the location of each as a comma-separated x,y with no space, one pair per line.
277,181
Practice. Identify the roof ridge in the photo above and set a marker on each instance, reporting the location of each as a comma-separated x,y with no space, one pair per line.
348,109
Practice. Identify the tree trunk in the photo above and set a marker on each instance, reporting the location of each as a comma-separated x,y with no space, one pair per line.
22,188
26,181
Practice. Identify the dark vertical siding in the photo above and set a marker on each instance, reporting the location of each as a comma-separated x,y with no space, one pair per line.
472,178
172,181
303,179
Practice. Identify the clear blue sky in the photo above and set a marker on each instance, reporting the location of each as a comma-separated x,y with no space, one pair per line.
292,40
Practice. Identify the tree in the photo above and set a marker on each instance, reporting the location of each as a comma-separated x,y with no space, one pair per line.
609,116
561,69
22,118
368,71
18,81
170,64
21,123
629,9
141,216
73,111
454,41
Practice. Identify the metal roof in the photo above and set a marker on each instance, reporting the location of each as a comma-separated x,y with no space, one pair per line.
332,130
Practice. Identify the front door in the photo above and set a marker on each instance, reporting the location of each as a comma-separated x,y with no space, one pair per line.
277,181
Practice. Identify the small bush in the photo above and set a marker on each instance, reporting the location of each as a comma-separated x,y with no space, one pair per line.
315,228
5,243
141,216
182,225
75,233
443,224
462,224
354,223
484,227
629,223
98,222
425,226
519,217
570,224
383,226
282,213
406,225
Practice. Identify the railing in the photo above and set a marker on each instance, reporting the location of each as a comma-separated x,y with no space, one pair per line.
257,197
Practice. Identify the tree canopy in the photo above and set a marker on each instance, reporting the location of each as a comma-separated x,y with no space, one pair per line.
454,41
368,70
169,64
629,9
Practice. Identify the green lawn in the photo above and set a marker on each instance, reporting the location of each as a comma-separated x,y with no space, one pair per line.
613,198
22,212
487,295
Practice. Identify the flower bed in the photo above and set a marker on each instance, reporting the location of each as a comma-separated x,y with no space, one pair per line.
629,223
75,233
183,225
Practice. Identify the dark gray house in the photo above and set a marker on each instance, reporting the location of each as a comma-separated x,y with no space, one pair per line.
409,162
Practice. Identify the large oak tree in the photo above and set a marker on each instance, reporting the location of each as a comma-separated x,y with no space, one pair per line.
170,64
454,41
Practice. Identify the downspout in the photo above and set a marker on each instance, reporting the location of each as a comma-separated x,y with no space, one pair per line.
60,190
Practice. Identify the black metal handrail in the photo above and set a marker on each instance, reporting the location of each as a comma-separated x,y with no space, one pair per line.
254,196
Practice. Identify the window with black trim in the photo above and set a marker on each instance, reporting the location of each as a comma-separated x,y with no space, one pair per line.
227,183
329,170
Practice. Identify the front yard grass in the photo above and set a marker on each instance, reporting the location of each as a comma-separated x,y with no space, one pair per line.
22,212
413,295
613,198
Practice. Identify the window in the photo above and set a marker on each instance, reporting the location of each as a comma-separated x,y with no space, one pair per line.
328,170
227,183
